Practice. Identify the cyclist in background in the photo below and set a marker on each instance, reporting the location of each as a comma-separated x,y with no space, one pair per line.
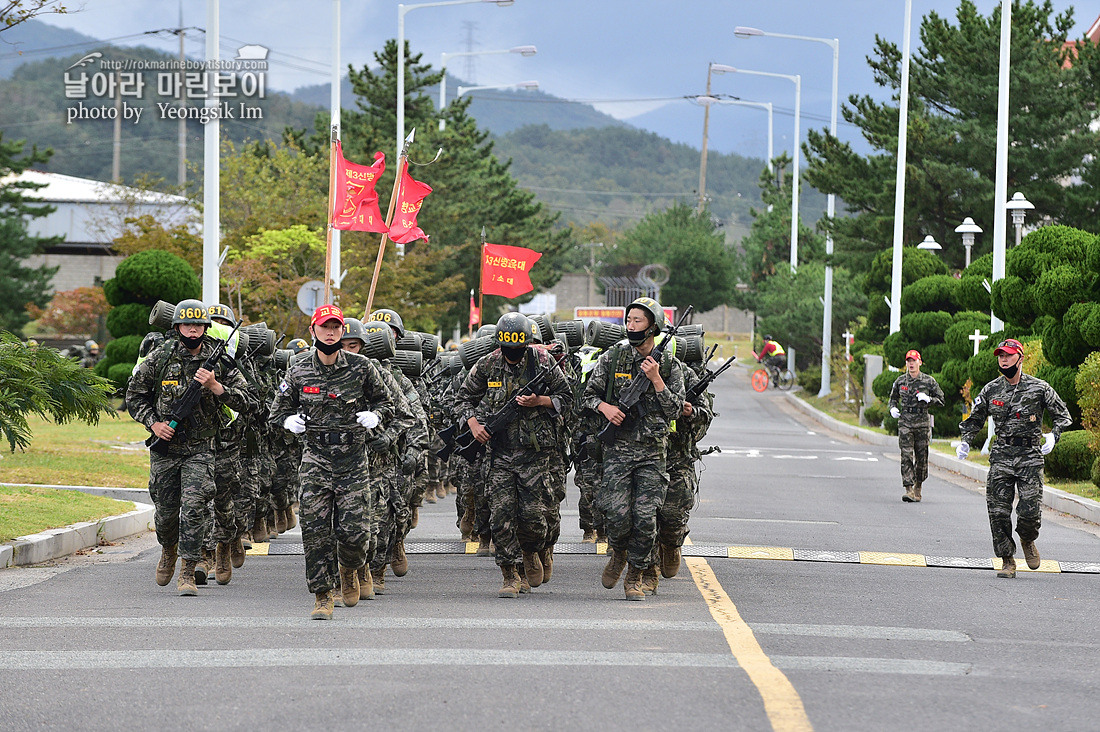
772,355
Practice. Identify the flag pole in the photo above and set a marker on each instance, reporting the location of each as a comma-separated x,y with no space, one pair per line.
481,280
328,233
402,162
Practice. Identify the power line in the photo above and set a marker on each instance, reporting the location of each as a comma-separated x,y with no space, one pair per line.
606,193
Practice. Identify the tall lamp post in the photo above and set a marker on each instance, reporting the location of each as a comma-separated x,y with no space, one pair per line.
795,79
1019,206
1000,186
402,11
968,229
524,51
899,182
827,318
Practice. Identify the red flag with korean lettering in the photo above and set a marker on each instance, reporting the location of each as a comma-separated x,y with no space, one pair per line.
355,202
403,228
475,313
506,270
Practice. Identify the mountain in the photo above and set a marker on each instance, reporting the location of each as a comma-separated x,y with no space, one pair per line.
34,40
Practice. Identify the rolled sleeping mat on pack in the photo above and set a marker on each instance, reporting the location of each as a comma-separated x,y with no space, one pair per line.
261,340
573,330
604,335
690,349
695,329
489,329
471,351
545,328
295,357
161,315
454,363
379,344
429,345
410,342
411,363
281,358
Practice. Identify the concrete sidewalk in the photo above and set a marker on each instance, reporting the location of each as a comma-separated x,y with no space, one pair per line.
1082,508
57,543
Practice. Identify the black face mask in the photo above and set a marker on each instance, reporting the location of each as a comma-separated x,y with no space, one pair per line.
1010,371
327,348
513,354
636,337
190,343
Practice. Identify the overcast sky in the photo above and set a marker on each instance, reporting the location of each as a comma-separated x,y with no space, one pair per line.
606,51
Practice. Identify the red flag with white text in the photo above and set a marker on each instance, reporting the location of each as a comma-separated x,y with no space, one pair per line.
355,202
403,228
506,270
475,313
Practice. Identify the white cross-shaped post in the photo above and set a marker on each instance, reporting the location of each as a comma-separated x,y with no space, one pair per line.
977,338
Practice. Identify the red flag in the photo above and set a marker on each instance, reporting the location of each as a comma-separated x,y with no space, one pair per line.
475,314
355,202
404,230
505,270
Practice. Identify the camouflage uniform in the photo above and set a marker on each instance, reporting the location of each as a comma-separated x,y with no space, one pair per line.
914,430
587,453
335,501
683,454
181,483
635,473
392,512
1015,463
519,458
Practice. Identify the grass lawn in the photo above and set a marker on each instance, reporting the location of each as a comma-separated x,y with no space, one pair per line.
30,510
111,454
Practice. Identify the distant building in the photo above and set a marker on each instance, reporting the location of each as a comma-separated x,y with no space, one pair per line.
90,216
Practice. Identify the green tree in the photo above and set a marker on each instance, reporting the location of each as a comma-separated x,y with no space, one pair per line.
952,132
20,285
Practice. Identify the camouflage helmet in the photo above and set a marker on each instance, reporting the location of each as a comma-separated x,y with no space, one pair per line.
653,309
390,318
514,330
353,328
222,312
91,345
191,312
297,345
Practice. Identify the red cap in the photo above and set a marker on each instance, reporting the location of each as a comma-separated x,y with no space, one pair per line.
326,313
1008,347
912,354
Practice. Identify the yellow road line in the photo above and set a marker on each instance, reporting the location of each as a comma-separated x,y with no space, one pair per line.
895,559
781,702
259,549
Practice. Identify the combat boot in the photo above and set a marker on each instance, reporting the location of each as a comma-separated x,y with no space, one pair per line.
429,495
246,540
400,563
440,491
589,537
466,523
483,549
366,586
271,532
237,553
223,568
291,518
186,583
532,568
378,579
322,608
648,583
415,517
1008,568
546,556
670,560
166,567
1031,554
632,583
349,586
280,521
909,496
259,529
203,567
916,492
510,588
614,568
524,585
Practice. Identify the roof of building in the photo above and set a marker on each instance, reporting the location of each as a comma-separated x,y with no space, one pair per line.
70,189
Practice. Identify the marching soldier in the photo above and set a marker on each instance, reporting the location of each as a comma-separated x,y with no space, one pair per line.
910,397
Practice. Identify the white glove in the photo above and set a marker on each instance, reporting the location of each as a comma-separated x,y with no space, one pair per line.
922,397
1048,443
962,450
895,412
369,420
296,423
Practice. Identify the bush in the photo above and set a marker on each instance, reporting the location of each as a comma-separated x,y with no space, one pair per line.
1059,288
972,295
154,275
937,292
875,413
122,350
883,383
1088,391
1095,473
1072,457
895,347
952,377
957,337
926,327
810,380
131,319
982,369
119,374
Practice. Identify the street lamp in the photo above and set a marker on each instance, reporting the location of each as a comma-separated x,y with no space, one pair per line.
929,243
827,318
524,51
402,10
968,229
1019,206
796,79
520,85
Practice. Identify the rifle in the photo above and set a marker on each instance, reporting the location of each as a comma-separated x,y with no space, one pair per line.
706,379
469,448
631,396
185,405
448,437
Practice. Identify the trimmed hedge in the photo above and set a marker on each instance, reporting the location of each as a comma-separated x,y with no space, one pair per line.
130,319
122,350
810,380
1072,457
157,275
119,374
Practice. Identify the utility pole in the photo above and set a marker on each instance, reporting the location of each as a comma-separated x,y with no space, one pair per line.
181,171
116,158
703,158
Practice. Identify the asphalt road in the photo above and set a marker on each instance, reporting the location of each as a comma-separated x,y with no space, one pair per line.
824,642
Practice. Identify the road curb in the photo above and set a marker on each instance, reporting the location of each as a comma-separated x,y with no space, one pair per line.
1059,500
57,543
